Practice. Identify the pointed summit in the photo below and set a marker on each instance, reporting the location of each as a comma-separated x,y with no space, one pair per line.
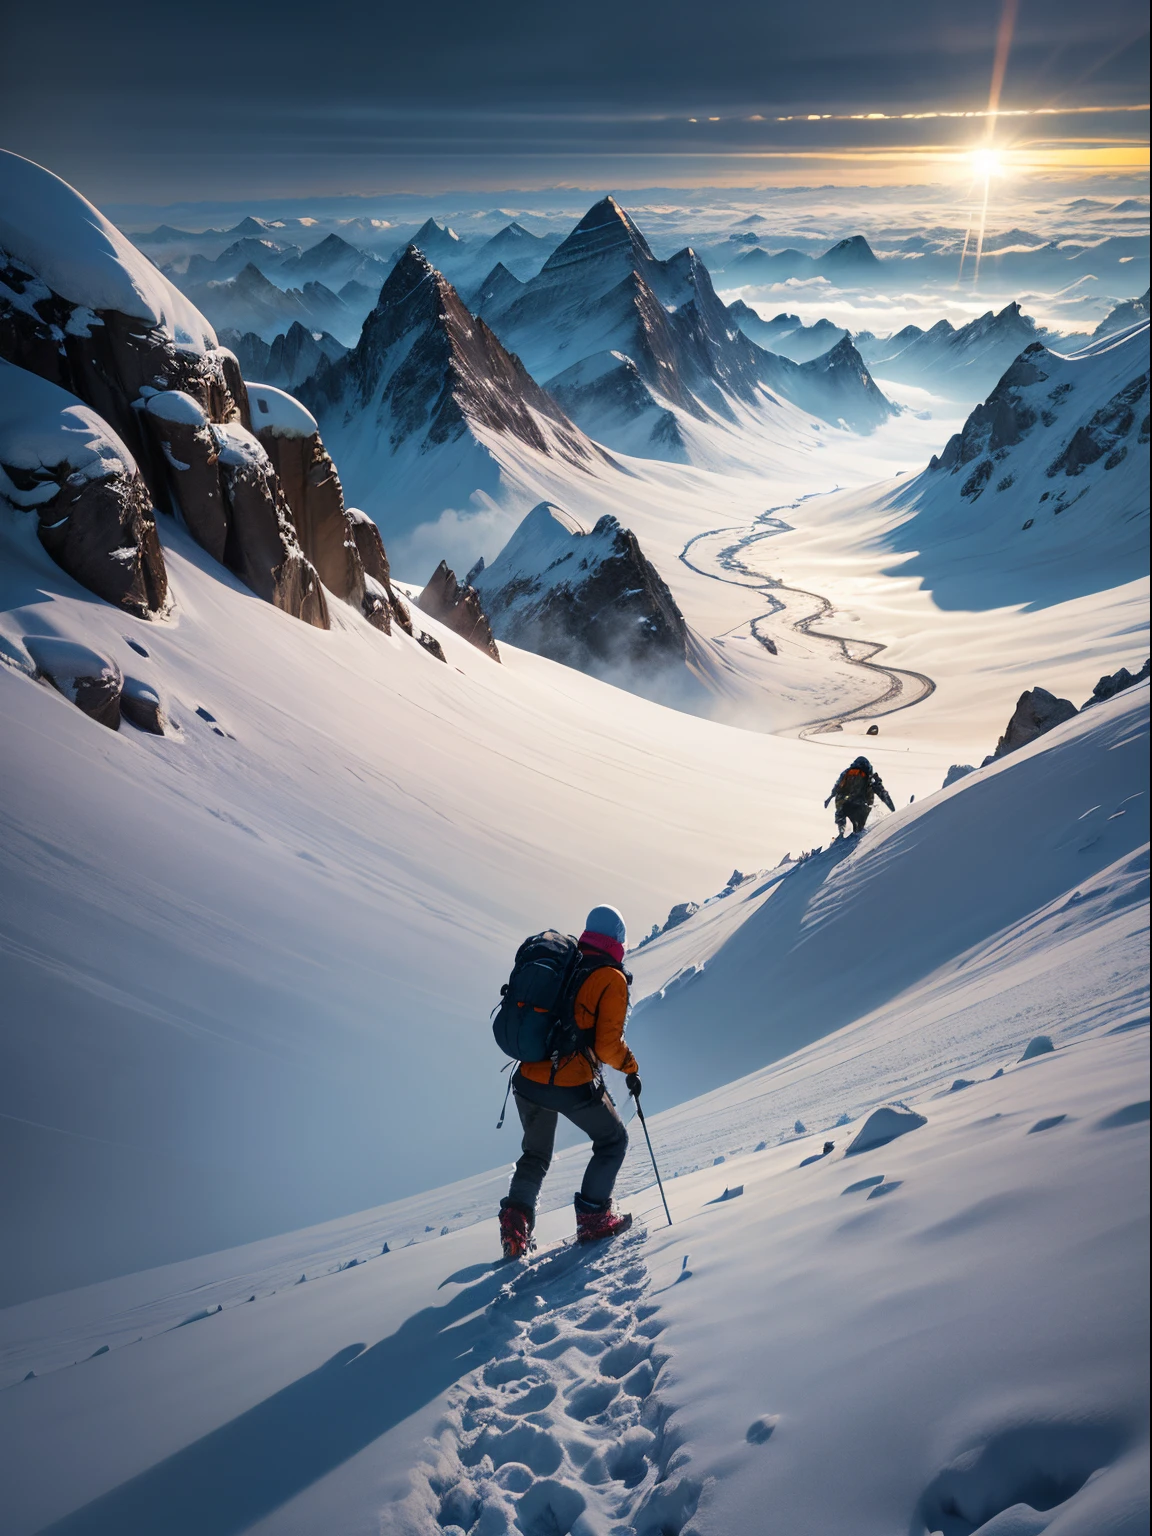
437,241
605,235
428,375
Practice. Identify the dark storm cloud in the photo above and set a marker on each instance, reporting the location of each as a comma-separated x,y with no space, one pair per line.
128,85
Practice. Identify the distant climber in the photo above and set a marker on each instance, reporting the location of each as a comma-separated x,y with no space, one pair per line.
562,1019
855,792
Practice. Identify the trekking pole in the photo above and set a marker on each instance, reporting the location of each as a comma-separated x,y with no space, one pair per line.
652,1155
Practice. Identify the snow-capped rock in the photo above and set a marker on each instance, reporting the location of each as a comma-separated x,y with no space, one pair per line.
94,511
307,475
90,681
838,386
457,605
590,600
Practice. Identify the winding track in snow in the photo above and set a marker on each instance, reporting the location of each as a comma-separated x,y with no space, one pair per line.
899,681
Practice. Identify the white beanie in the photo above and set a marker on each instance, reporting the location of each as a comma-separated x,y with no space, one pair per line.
607,920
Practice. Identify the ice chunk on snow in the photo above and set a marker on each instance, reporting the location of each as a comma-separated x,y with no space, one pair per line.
47,226
884,1125
277,412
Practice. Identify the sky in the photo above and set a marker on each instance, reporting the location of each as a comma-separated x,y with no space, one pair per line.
152,104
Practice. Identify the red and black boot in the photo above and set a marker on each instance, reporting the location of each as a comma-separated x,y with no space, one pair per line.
595,1221
516,1225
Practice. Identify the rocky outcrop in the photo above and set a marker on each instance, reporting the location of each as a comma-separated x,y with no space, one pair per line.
589,600
1036,712
458,606
290,437
431,645
1110,685
224,484
262,548
377,575
1002,421
90,681
93,509
1104,433
110,360
140,706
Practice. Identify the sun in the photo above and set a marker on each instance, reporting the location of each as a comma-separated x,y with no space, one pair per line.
987,162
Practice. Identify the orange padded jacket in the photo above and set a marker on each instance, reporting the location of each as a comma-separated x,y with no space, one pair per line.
601,1006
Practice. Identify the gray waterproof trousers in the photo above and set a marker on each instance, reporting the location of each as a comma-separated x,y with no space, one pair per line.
591,1111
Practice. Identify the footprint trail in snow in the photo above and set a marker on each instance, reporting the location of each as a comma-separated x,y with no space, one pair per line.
563,1431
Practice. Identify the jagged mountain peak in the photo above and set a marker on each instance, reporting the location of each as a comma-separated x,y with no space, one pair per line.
435,236
604,233
426,374
855,246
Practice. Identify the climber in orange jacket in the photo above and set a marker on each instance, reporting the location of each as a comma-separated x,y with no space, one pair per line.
574,1087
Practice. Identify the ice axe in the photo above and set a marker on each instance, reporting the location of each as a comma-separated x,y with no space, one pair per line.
635,1092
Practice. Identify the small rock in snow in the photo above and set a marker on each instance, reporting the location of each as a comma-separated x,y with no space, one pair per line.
1039,1045
761,1429
799,1128
1047,1123
961,1082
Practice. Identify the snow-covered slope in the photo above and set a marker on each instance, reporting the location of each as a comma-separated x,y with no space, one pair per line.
786,959
1044,495
944,1333
260,950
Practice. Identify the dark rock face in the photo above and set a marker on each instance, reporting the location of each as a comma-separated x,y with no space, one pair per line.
223,481
191,459
104,535
1036,712
458,606
140,706
262,548
109,360
1105,432
431,645
93,509
309,480
1109,686
1002,421
88,680
598,605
